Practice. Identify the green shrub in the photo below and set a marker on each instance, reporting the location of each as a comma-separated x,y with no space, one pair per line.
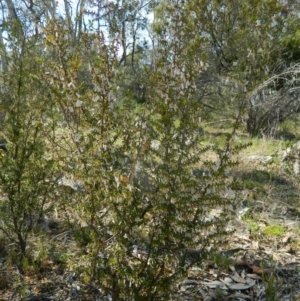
26,175
140,209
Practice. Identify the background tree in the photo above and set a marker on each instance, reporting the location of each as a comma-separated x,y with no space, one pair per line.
244,42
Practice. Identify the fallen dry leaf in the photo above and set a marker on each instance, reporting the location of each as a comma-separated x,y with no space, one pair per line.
242,286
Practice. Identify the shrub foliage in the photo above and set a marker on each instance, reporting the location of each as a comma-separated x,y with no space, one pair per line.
135,182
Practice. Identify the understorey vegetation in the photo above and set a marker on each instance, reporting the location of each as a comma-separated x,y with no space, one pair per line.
105,110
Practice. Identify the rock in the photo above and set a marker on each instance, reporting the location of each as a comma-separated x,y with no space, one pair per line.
291,158
260,158
69,182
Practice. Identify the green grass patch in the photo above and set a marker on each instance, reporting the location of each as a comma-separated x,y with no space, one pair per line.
254,227
262,146
289,130
274,230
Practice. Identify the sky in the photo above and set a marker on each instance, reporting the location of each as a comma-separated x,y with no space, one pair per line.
60,5
143,34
